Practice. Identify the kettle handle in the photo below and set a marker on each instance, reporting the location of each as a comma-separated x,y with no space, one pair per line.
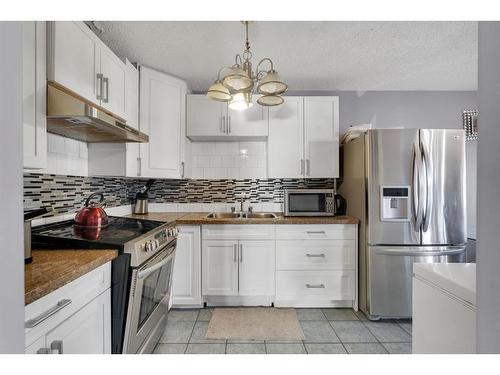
101,202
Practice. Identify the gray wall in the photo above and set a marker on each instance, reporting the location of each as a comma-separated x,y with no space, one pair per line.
11,188
488,245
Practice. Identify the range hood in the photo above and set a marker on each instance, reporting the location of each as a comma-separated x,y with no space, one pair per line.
72,116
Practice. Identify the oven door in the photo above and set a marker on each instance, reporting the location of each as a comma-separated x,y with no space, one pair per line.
149,298
311,202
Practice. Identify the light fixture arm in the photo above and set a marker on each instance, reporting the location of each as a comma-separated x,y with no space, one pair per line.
236,58
220,71
257,71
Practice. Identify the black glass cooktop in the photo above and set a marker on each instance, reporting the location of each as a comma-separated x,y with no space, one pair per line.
119,231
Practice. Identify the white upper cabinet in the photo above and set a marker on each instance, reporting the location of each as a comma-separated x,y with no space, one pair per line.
285,145
113,72
34,95
79,60
211,120
304,138
321,136
131,95
162,117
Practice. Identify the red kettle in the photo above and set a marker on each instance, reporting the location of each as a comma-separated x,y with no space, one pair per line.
93,214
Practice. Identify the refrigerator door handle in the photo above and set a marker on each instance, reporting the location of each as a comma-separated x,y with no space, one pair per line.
416,186
428,188
404,253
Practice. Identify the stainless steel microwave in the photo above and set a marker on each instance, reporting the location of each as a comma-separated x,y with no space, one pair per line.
309,202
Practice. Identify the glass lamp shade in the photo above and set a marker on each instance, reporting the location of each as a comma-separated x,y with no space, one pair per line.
270,100
217,91
237,79
241,101
272,84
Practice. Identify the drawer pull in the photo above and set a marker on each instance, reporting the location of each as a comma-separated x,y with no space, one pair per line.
42,317
56,347
315,286
315,232
322,255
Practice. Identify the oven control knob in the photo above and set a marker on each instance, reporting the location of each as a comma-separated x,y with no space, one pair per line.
147,247
157,244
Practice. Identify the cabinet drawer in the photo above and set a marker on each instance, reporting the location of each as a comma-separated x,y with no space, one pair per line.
316,232
79,292
237,232
315,286
315,255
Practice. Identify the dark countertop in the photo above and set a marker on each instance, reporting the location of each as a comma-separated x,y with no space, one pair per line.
199,218
52,269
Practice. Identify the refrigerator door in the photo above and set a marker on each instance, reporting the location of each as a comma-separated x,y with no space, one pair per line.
392,155
390,275
444,217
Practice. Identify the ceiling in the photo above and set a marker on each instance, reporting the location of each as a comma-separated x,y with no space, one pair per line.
310,56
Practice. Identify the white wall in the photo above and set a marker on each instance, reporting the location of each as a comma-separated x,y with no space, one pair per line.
488,190
11,183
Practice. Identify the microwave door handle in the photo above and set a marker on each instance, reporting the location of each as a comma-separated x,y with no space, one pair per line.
146,272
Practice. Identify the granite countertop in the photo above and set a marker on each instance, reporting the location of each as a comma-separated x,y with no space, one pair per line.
199,218
52,269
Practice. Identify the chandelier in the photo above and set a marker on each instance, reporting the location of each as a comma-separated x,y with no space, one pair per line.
241,82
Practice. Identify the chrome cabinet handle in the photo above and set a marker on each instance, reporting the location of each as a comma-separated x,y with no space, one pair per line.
105,81
315,232
241,253
56,347
308,167
221,125
138,166
322,255
47,314
182,169
301,167
224,125
315,286
99,86
228,124
234,253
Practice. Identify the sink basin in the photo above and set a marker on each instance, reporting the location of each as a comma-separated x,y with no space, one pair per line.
260,215
223,215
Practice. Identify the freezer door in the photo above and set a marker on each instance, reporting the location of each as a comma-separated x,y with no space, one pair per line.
444,216
390,272
390,161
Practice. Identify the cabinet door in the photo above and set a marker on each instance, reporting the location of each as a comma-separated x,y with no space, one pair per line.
88,331
285,144
162,106
256,268
113,86
186,284
220,268
205,117
321,133
131,95
73,58
34,95
251,123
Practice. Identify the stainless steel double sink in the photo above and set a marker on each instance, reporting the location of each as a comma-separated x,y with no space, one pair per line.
241,215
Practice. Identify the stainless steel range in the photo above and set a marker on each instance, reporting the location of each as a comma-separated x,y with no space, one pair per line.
141,275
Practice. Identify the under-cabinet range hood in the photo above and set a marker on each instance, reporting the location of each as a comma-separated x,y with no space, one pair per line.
72,116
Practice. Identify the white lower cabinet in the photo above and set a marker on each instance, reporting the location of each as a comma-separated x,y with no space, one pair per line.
74,319
220,268
186,282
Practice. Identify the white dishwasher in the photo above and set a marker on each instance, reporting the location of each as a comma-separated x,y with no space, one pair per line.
444,308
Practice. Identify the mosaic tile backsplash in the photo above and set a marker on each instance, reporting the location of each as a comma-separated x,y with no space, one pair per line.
66,194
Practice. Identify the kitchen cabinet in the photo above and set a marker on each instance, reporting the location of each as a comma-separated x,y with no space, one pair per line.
162,117
78,60
74,319
238,261
207,119
316,265
34,95
131,95
304,138
186,282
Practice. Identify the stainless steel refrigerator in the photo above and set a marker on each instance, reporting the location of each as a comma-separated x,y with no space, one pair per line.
407,187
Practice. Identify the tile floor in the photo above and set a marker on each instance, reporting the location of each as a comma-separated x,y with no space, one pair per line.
327,331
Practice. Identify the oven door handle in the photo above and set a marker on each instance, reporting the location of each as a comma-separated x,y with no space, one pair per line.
146,272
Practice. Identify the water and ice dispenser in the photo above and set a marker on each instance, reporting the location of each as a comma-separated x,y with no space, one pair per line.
395,203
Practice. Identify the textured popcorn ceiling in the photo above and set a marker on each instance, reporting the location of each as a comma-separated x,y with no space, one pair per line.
310,55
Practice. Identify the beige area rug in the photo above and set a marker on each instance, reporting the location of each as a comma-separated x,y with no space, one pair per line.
254,323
